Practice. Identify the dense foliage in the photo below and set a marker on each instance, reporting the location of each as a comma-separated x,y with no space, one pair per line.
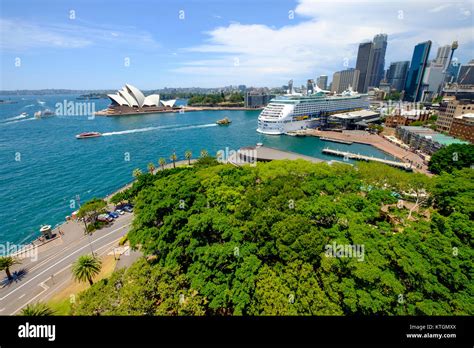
232,99
222,240
449,158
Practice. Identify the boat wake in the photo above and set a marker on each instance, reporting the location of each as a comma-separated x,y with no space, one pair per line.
16,117
18,120
147,129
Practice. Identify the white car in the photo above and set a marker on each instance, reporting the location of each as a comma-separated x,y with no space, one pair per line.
119,211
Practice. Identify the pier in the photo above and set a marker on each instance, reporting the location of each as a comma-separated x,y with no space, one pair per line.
260,153
405,166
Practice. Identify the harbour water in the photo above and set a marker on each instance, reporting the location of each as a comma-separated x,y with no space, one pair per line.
44,168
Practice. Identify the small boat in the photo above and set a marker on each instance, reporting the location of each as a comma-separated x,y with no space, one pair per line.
44,113
224,122
86,135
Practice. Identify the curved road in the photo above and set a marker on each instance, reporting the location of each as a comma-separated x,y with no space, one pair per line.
51,270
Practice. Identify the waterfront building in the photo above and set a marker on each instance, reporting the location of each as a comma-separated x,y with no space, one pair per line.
424,139
463,127
295,112
358,119
414,81
344,79
448,111
257,99
130,100
397,74
322,81
376,64
362,63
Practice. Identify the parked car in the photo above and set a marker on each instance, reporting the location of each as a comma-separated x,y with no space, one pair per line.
105,218
119,211
113,214
128,209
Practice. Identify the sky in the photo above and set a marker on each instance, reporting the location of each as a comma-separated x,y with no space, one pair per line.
86,44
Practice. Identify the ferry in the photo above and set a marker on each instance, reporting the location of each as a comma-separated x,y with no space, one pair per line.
224,122
294,111
86,135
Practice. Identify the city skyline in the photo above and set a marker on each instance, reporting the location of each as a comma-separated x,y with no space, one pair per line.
211,46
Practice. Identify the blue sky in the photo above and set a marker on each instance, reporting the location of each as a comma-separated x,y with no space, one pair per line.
217,43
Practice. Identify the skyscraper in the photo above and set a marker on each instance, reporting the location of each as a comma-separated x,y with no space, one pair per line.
397,74
341,80
362,64
322,82
442,57
376,64
414,82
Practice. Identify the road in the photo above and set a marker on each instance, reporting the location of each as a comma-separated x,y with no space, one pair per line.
50,270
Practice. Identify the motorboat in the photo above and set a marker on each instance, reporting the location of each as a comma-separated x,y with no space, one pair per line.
224,122
86,135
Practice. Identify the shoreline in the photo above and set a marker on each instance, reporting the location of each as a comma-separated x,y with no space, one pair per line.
377,141
183,109
26,247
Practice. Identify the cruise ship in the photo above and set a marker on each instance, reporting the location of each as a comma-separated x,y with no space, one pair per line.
292,112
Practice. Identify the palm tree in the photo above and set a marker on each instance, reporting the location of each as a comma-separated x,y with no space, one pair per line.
188,154
204,153
173,157
37,309
137,172
5,263
151,167
85,268
162,163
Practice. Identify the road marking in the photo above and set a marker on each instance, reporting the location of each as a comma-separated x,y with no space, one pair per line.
58,262
68,246
22,296
45,287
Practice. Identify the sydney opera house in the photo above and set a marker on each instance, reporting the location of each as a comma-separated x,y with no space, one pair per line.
130,100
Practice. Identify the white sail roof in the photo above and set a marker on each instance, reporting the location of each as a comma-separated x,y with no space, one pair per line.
152,100
136,93
169,103
117,99
129,98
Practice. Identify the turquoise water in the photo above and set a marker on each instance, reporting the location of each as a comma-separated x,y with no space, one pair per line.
43,166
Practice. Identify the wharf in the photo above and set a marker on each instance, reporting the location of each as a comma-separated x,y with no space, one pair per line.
359,157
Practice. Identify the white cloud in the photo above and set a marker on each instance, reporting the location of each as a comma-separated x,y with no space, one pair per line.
18,35
326,33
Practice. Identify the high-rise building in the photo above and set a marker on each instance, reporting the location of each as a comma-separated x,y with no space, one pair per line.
442,57
466,74
376,64
310,86
397,74
341,80
322,82
414,81
362,63
433,80
452,72
290,87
